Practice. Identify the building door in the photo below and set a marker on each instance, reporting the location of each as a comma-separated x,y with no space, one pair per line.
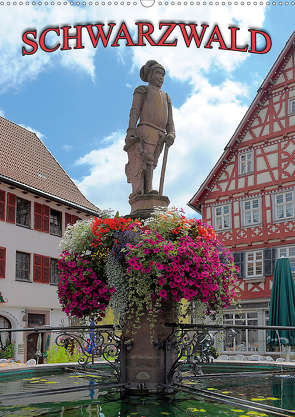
35,320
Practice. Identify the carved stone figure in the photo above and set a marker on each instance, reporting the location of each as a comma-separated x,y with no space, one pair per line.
150,127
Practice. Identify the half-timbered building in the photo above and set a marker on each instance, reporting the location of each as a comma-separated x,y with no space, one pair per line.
249,197
37,201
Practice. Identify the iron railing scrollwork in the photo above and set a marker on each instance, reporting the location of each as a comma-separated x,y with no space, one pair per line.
104,343
92,342
193,348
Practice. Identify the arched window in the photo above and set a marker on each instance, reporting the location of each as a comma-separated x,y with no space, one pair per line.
5,338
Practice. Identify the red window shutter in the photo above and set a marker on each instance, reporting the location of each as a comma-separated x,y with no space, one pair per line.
74,219
46,218
11,202
46,269
2,262
2,204
68,219
37,275
38,215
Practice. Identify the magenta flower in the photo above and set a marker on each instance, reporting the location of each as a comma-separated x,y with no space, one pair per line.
195,273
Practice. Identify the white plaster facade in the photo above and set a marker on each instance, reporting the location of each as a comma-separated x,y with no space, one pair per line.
37,201
29,297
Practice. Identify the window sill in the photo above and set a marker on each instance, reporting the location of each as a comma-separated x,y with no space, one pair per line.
56,235
22,280
254,279
24,226
248,226
288,219
246,173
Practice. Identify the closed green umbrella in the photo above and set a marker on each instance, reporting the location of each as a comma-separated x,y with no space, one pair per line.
282,305
47,343
39,346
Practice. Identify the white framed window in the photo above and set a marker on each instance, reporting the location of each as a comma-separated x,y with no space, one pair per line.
22,269
23,212
284,205
288,252
254,264
251,212
245,340
54,278
222,219
291,106
246,163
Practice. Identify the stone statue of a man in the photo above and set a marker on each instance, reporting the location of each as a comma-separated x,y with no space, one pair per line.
150,126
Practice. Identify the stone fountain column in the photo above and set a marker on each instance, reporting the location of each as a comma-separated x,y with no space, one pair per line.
147,364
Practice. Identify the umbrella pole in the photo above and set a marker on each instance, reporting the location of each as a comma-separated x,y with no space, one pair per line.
288,351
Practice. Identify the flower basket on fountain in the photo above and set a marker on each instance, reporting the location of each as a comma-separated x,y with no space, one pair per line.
134,267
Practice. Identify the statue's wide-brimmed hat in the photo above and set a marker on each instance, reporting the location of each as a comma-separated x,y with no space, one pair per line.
147,69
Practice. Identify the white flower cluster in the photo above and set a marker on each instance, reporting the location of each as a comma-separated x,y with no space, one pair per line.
173,217
78,237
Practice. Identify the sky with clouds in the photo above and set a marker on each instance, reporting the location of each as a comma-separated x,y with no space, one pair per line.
78,100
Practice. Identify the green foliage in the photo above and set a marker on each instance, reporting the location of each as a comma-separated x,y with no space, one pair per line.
7,352
58,354
214,352
118,278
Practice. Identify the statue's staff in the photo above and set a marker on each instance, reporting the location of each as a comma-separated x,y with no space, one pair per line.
165,156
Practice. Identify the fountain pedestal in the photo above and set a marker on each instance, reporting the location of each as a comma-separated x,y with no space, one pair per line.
147,364
143,205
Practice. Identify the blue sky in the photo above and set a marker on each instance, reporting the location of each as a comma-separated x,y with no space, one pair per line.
78,101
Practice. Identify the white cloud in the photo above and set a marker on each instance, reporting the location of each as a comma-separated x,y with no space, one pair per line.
67,148
106,185
40,135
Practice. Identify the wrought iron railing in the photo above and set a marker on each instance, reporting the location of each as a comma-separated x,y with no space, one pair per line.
93,342
191,344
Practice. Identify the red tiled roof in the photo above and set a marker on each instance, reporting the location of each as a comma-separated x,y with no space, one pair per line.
26,160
